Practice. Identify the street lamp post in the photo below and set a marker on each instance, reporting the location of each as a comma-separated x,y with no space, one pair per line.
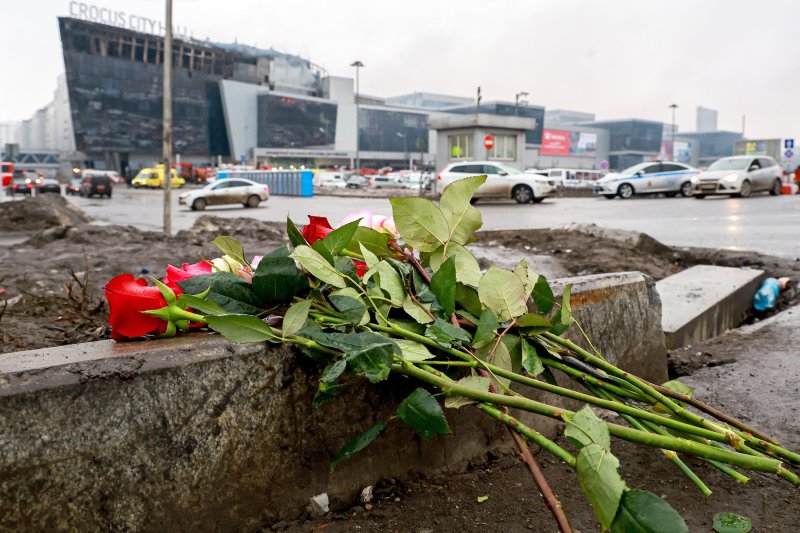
517,101
358,65
673,107
167,145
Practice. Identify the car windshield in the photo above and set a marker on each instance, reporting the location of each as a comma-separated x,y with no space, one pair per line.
730,164
634,169
510,170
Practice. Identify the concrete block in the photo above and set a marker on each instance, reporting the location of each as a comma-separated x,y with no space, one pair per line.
503,257
705,301
195,433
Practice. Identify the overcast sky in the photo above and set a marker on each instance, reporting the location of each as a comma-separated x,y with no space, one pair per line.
617,59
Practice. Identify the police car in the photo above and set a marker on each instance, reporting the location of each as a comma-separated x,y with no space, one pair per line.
666,177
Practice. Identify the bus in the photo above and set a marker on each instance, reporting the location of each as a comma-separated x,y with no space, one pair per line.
6,173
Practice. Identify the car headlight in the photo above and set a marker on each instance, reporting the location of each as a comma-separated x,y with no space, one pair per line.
695,179
730,178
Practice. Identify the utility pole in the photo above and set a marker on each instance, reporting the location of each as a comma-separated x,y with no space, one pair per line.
167,147
358,65
673,107
743,121
478,100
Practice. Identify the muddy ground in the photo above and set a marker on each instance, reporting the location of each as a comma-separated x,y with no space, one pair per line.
53,277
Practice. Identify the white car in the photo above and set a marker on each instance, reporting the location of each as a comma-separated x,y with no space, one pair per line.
668,177
226,191
330,180
739,176
502,181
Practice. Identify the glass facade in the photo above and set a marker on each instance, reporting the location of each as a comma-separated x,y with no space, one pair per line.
383,130
633,135
712,145
510,110
288,122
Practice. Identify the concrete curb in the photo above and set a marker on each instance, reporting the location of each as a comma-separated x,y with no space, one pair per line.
195,433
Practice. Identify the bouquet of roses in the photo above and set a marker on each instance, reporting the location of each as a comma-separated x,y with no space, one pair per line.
378,295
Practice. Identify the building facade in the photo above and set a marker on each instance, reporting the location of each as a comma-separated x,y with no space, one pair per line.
631,141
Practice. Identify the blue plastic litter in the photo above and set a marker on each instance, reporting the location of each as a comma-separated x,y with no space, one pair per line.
767,294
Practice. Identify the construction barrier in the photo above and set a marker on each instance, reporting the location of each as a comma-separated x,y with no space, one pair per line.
280,182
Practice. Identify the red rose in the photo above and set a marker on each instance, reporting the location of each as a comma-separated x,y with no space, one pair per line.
361,267
175,274
127,297
317,228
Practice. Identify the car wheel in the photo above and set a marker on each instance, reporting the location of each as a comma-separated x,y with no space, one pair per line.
745,190
776,188
686,189
699,196
522,194
199,204
538,200
625,191
609,196
252,201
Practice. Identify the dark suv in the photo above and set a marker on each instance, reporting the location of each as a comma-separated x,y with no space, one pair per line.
95,184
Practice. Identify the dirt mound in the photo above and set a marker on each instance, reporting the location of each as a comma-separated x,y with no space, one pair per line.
40,212
248,230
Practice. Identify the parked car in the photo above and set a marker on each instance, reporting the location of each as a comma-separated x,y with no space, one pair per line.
668,177
153,178
739,176
73,188
112,174
502,181
332,180
95,184
20,185
48,185
388,180
356,182
226,191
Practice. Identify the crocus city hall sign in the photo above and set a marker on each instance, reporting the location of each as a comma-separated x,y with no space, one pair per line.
104,15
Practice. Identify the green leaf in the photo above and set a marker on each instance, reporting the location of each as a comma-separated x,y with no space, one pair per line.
532,320
413,351
324,252
376,242
373,360
420,223
338,239
563,317
230,247
501,357
391,282
422,412
586,428
369,258
201,305
482,499
241,328
467,298
679,387
351,307
641,511
468,271
543,295
530,359
443,285
462,218
358,444
318,266
513,344
346,266
600,482
416,312
487,326
732,523
327,388
296,317
277,279
295,236
503,293
446,333
229,291
478,383
526,275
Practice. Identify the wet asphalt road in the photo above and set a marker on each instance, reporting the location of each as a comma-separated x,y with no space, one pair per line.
761,223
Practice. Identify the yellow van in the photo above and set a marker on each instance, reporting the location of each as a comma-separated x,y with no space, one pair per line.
154,178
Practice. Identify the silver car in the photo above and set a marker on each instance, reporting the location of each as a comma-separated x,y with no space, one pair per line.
739,176
226,191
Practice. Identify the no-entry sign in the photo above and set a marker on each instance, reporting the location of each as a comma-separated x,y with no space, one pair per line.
488,142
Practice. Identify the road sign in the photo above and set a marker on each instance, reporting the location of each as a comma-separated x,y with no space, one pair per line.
788,154
788,143
604,165
488,142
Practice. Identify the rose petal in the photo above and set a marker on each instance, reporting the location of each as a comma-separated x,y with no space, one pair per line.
364,215
127,297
